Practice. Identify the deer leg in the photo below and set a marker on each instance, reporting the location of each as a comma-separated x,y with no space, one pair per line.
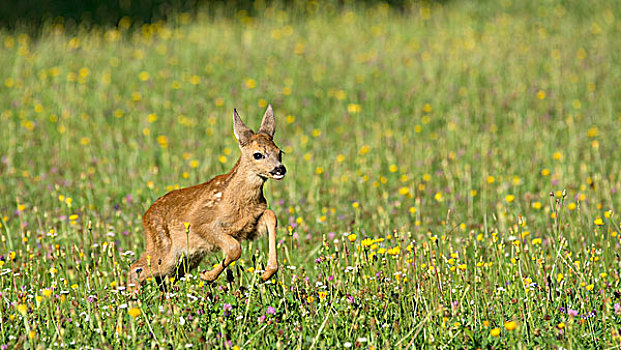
232,248
268,223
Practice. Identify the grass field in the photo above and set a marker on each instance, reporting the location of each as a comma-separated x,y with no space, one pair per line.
454,176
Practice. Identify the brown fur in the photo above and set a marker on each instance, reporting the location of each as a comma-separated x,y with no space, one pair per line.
221,212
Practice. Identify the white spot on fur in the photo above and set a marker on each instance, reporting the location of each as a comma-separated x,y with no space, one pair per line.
219,195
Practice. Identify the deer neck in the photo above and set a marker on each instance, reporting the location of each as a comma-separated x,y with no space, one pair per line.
244,186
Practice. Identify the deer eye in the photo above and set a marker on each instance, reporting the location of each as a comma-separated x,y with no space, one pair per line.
258,155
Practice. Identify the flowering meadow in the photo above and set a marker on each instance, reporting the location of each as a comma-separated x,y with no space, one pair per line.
453,175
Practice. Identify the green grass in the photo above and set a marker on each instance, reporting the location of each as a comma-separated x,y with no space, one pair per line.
451,168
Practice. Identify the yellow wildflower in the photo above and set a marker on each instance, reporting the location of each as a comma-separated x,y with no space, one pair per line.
22,309
511,325
134,312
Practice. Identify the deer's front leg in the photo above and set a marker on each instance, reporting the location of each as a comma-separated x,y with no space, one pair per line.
268,223
231,247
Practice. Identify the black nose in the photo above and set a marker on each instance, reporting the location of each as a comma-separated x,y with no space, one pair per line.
279,170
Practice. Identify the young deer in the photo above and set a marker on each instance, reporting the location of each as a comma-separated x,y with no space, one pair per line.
220,212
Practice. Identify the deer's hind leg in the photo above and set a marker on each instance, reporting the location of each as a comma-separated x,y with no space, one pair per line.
156,261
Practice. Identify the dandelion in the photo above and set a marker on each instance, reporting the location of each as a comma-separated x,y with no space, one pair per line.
143,76
134,312
354,108
593,132
598,222
590,287
84,72
495,332
510,325
250,83
22,309
352,237
509,198
367,242
561,325
536,241
163,141
394,251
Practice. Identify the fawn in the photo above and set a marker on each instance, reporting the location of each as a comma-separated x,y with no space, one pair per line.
184,225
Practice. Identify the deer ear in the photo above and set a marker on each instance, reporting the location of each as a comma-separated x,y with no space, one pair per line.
241,131
268,125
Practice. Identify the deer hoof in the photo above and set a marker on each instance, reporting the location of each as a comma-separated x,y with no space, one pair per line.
208,276
270,270
133,289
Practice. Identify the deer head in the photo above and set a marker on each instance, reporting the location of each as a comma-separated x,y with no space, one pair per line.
260,155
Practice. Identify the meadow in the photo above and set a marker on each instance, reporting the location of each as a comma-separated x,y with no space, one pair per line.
453,176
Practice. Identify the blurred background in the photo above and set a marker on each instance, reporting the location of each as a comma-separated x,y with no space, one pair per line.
31,12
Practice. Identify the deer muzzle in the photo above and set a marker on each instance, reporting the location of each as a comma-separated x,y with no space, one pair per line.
278,172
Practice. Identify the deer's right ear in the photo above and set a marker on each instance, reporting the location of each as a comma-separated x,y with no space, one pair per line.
241,131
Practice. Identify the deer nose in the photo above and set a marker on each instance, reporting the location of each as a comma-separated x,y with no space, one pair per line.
279,171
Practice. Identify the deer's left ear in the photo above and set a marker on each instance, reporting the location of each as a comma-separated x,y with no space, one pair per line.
268,125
